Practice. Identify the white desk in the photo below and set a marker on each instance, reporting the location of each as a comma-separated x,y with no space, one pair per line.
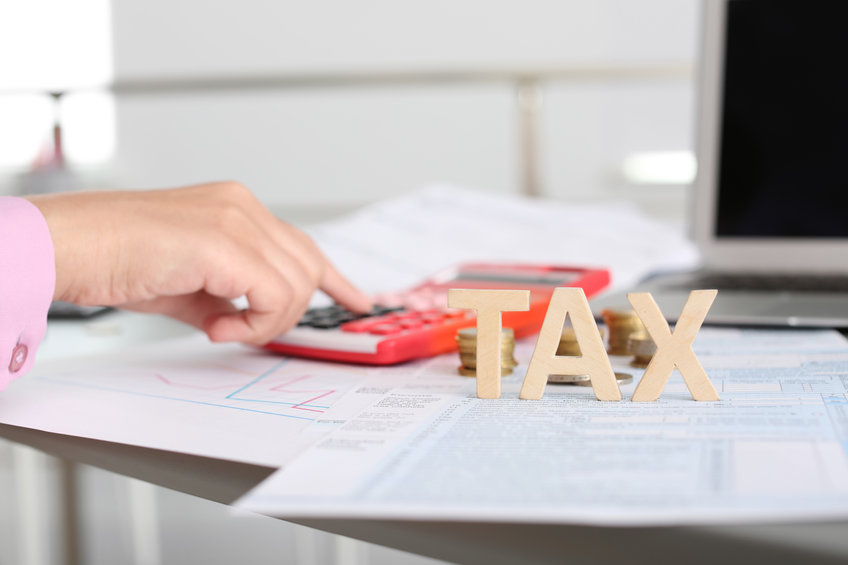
489,544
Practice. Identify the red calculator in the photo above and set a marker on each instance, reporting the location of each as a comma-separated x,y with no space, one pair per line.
417,323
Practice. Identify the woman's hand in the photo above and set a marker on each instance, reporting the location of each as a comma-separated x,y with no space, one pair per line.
187,253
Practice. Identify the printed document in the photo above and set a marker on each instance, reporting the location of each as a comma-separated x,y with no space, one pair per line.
190,396
774,448
394,244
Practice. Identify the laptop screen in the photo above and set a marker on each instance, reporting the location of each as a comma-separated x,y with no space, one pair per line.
783,168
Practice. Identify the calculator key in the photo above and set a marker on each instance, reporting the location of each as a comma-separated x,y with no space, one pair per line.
347,317
322,316
364,324
380,309
405,315
323,310
325,324
411,324
359,326
452,314
328,317
432,314
385,329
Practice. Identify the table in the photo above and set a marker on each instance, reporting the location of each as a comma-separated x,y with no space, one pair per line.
472,543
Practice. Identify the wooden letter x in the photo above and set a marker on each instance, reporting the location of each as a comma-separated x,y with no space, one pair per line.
489,304
674,350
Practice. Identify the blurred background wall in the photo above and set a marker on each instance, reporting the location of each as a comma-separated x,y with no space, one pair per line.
320,107
333,104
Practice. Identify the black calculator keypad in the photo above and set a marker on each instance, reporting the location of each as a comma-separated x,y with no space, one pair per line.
329,317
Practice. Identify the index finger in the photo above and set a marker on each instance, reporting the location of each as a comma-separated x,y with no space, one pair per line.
343,291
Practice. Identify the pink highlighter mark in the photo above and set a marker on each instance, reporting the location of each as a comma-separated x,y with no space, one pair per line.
300,406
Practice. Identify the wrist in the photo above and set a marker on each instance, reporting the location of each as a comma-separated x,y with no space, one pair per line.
50,211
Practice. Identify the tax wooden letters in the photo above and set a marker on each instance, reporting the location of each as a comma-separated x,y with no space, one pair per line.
674,349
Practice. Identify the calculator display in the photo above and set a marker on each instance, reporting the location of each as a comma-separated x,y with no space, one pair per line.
540,279
556,279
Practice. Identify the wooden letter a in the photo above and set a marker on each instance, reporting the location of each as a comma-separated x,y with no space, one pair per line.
594,361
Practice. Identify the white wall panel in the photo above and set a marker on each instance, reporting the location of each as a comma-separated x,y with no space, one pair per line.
180,37
588,130
350,145
320,146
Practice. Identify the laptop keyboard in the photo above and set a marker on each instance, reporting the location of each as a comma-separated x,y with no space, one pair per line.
775,282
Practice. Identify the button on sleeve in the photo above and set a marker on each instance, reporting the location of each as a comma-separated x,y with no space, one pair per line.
27,280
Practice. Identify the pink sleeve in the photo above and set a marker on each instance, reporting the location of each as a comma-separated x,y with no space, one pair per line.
27,279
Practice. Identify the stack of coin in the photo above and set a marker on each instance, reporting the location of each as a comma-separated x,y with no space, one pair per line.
621,325
568,342
568,346
466,339
643,349
584,380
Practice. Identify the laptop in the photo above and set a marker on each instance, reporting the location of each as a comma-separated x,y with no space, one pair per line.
770,205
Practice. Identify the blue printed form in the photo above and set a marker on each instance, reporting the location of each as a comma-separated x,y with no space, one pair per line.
774,448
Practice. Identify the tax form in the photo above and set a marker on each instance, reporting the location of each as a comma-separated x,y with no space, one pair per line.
774,448
188,396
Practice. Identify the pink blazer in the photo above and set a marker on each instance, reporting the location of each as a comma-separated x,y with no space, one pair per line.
27,281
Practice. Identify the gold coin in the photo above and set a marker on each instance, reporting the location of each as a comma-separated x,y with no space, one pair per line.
567,379
624,322
504,353
585,380
466,340
618,314
619,338
643,349
505,364
568,334
568,345
471,333
643,346
473,342
465,372
569,350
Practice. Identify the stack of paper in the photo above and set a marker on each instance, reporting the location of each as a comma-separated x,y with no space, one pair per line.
393,245
773,449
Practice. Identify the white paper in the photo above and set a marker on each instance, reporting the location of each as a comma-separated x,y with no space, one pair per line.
393,245
187,395
773,449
